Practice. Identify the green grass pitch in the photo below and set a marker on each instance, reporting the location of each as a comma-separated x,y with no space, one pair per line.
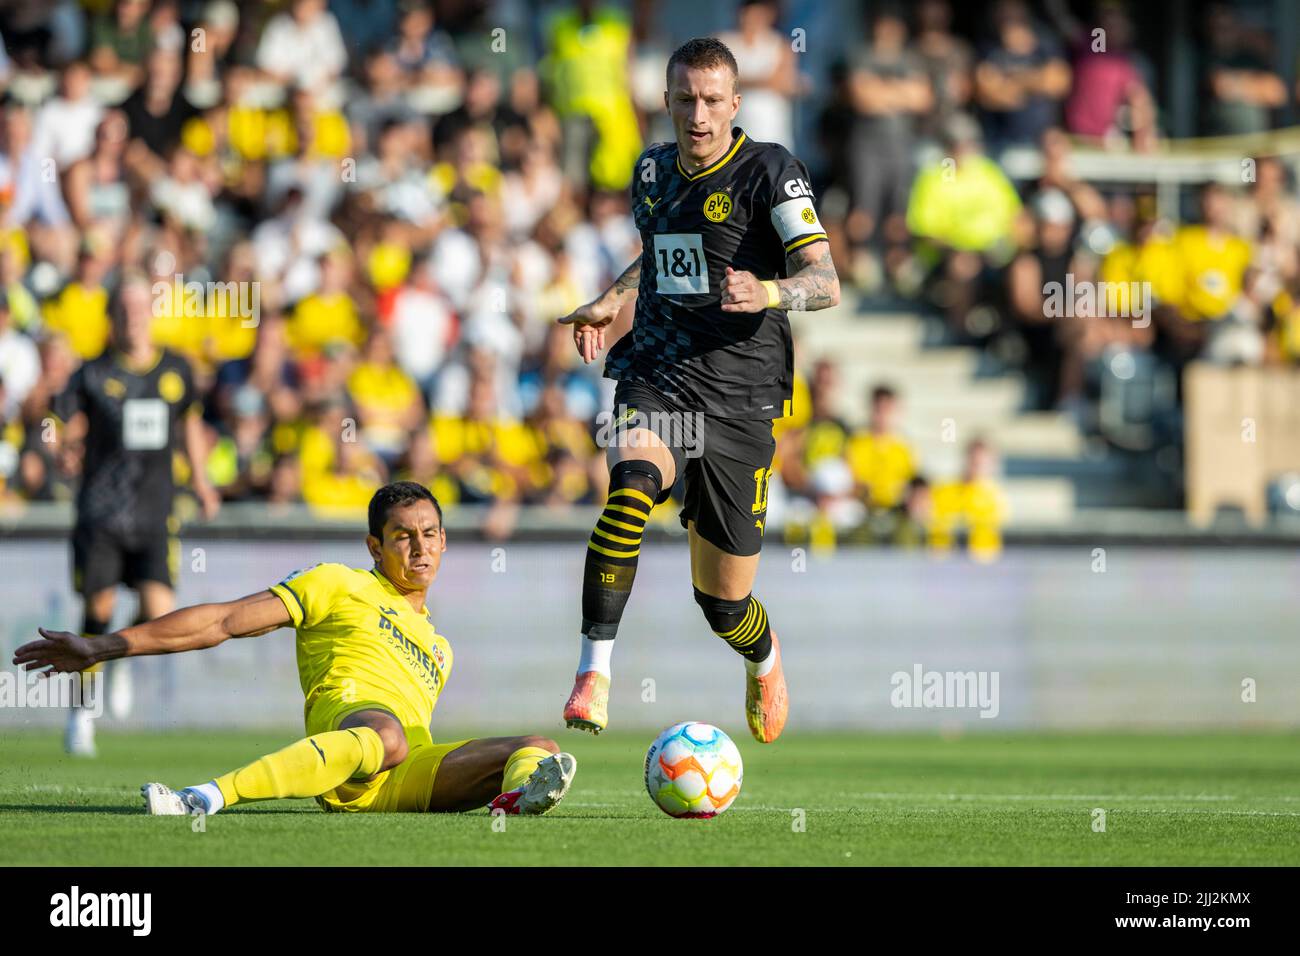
829,799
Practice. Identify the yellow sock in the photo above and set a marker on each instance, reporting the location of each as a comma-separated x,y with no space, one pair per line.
520,767
308,768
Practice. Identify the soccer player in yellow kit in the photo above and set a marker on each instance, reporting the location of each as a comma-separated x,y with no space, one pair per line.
371,666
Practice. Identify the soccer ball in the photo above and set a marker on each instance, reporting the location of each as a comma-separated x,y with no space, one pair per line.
693,770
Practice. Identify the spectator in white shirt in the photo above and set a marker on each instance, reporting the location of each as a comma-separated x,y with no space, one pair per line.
20,363
65,126
424,326
304,47
35,201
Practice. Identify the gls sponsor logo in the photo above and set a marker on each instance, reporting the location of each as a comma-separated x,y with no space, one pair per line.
798,189
134,910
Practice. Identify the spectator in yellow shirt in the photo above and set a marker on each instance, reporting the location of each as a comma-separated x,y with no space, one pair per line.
881,459
823,437
963,209
587,68
560,443
329,314
973,505
338,470
490,456
80,311
1212,262
1283,345
22,304
389,405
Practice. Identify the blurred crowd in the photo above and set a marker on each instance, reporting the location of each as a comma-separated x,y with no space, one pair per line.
927,124
836,483
360,219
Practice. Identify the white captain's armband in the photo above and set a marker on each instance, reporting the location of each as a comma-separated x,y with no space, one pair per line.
796,223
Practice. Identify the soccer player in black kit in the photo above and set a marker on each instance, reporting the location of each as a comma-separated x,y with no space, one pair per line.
129,407
730,242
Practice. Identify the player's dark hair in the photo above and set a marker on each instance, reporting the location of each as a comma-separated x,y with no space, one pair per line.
881,392
701,53
394,496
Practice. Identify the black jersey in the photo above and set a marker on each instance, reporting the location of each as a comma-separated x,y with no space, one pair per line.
746,211
133,423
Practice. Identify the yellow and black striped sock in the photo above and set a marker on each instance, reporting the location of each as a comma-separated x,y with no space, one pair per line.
308,768
742,624
614,546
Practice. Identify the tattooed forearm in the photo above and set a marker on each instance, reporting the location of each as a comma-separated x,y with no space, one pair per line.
623,289
813,283
628,281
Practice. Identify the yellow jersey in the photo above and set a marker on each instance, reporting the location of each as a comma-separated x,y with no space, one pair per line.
80,313
360,642
884,463
1213,271
323,318
1286,328
978,506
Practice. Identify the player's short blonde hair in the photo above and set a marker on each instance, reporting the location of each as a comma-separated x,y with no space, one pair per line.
702,53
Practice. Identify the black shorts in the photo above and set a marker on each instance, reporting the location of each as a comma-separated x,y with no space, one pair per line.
726,464
103,557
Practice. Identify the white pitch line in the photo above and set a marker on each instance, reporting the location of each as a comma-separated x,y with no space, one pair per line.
55,788
882,795
823,809
766,809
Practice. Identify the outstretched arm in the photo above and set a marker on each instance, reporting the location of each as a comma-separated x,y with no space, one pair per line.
589,320
187,629
812,284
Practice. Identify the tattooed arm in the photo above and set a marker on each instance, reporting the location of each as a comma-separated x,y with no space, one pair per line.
589,321
628,281
813,284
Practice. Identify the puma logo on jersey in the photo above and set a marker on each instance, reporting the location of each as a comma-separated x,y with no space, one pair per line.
651,202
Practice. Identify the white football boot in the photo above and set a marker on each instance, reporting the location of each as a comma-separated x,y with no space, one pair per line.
546,787
161,800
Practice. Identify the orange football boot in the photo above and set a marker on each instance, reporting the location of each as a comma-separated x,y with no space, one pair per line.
588,706
766,701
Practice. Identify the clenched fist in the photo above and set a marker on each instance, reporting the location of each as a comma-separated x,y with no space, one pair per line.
742,292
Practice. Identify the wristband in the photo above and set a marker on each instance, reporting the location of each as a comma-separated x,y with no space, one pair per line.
773,293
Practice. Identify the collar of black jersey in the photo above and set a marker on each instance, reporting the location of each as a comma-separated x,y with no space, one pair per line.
738,139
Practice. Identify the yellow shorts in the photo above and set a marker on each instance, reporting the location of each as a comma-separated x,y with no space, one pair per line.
404,789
